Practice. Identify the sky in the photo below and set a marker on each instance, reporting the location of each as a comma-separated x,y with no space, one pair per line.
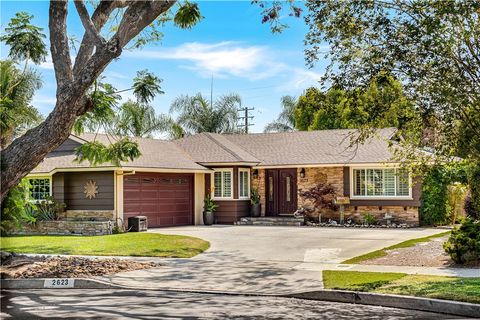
230,44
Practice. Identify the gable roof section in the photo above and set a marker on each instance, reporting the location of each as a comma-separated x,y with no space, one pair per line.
156,154
288,148
315,147
211,148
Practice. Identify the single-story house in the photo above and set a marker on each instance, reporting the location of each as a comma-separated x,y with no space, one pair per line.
170,180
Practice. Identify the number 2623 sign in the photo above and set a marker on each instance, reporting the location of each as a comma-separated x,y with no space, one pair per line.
58,283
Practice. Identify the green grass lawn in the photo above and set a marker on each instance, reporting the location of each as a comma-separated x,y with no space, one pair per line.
126,244
382,252
450,288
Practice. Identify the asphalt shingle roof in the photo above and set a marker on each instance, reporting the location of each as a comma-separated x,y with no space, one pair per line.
263,149
155,154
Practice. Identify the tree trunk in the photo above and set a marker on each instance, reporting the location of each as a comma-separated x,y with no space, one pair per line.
26,152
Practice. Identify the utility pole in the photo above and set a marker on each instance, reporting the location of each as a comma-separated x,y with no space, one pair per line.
246,117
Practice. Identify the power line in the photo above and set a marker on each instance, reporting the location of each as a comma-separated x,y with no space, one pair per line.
246,118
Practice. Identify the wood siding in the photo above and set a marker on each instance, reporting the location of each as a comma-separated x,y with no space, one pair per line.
68,187
229,211
416,193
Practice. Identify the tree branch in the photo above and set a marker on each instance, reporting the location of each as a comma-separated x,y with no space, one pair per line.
99,18
88,24
59,43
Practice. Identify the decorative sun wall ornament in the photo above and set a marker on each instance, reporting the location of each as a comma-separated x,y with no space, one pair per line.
91,189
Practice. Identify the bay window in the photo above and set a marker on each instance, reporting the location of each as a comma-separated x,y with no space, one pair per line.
244,183
381,182
40,188
222,183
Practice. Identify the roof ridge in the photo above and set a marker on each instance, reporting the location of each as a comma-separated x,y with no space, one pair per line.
211,137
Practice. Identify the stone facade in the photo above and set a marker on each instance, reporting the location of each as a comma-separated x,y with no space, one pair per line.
313,176
98,215
66,227
408,215
259,183
335,176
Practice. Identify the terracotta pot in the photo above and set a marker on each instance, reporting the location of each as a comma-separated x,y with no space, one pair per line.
208,218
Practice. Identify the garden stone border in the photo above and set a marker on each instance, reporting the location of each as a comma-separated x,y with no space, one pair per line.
457,308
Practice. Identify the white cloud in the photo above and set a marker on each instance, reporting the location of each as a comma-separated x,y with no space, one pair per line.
47,64
222,59
301,79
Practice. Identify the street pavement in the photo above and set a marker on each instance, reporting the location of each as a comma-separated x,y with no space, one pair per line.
137,304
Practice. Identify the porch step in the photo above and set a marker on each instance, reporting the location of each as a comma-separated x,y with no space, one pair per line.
270,221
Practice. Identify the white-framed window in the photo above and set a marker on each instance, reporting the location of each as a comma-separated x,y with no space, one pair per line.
222,183
40,188
244,183
381,183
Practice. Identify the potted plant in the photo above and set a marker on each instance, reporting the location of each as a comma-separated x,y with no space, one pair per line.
256,207
209,207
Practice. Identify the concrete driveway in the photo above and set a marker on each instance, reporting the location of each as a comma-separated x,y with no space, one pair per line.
294,244
267,260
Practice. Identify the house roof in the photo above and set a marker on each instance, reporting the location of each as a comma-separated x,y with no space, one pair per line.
258,149
156,153
215,148
315,147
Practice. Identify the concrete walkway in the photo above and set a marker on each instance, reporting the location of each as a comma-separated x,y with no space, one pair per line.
273,260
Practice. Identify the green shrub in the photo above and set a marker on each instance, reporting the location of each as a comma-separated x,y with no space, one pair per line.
470,211
17,208
434,209
369,219
49,209
464,242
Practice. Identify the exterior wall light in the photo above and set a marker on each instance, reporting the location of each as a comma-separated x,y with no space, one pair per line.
255,174
302,173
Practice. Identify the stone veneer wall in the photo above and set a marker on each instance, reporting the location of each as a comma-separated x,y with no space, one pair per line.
66,227
408,215
259,183
334,176
88,214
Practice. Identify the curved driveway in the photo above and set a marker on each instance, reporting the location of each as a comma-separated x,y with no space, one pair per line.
294,244
255,259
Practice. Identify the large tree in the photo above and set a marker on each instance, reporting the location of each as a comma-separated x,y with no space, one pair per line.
432,47
137,23
382,103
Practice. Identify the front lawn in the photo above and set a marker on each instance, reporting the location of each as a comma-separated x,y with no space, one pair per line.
450,288
383,252
126,244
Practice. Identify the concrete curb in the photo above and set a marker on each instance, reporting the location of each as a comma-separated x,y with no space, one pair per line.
457,308
80,283
463,309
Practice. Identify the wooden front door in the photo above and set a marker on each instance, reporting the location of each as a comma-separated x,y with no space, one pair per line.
281,191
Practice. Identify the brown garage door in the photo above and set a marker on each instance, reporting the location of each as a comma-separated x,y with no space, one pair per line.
165,199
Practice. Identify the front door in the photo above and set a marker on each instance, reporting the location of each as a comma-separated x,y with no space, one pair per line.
281,191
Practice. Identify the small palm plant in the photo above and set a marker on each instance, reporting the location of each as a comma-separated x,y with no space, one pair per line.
209,207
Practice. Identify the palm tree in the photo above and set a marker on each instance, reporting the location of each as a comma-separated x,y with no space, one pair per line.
16,91
140,120
286,120
197,114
